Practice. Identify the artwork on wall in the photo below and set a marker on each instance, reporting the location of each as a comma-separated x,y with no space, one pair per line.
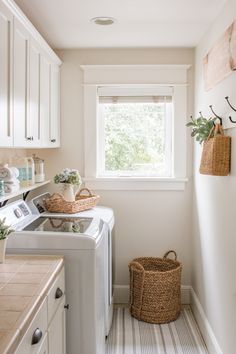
221,59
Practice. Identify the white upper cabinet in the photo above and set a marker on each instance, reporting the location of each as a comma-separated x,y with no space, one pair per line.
45,68
29,84
34,94
50,103
6,28
54,106
22,134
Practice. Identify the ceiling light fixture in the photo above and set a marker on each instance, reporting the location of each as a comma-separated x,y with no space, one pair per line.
103,21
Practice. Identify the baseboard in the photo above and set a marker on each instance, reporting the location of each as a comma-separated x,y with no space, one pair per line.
204,325
121,294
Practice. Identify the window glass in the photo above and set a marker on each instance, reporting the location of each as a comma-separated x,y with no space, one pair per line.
135,136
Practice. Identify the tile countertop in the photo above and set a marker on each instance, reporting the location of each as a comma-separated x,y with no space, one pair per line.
24,283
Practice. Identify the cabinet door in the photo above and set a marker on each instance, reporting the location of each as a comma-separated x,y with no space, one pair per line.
57,332
6,28
55,106
33,120
45,68
44,347
22,136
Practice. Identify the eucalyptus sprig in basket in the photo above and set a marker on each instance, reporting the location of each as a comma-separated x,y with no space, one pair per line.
201,128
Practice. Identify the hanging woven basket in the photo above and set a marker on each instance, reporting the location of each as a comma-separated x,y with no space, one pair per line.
155,295
216,153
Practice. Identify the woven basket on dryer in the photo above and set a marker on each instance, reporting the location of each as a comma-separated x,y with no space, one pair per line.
155,288
57,204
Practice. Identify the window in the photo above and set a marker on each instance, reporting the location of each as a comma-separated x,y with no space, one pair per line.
134,132
135,126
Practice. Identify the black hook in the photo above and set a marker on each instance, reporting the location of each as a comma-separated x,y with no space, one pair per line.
227,99
230,118
216,115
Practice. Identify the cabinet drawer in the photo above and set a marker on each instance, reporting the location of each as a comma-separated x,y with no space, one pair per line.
34,336
55,294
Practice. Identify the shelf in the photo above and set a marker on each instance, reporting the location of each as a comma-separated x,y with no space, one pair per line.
24,191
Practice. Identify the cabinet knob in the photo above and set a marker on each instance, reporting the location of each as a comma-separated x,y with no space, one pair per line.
53,140
58,293
29,138
37,335
66,306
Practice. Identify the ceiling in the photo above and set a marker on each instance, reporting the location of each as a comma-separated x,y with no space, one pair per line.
146,23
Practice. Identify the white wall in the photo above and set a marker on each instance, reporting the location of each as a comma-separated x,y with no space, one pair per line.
147,223
214,206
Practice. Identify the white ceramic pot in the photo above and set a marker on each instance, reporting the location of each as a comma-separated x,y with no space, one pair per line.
68,192
2,250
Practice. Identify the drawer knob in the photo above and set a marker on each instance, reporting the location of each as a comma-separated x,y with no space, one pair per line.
53,140
59,293
66,306
36,336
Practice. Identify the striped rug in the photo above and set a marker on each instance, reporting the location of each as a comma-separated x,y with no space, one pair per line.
129,336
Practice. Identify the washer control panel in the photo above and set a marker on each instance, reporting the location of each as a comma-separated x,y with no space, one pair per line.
14,212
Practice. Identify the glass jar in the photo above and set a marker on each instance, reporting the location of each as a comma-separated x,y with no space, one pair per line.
39,169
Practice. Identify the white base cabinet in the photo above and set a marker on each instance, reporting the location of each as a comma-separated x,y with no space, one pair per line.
46,333
30,84
56,332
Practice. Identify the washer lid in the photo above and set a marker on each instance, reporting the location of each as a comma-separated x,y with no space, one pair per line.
60,236
64,224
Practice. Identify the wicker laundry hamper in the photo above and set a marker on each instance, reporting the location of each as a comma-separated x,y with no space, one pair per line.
155,288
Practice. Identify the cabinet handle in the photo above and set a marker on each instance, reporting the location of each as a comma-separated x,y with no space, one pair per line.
37,335
53,140
32,138
58,293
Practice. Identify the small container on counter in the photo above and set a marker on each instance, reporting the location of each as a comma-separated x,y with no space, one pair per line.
39,169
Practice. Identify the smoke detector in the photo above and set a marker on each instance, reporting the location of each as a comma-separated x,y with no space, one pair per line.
103,21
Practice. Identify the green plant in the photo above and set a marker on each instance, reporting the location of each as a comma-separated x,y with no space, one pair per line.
5,230
201,128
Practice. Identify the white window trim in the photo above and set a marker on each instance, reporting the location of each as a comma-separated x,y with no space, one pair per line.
135,76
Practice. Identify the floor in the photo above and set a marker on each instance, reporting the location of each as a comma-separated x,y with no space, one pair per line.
129,336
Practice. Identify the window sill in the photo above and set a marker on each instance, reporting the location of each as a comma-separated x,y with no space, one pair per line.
135,183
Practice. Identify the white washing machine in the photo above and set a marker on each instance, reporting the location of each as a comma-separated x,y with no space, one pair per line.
107,215
84,243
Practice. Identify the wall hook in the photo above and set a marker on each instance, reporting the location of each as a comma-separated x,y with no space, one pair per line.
227,99
230,118
216,115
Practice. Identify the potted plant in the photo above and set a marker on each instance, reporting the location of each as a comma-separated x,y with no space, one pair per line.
5,230
68,178
201,128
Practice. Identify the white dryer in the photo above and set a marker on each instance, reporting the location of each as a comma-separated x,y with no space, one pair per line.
83,242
